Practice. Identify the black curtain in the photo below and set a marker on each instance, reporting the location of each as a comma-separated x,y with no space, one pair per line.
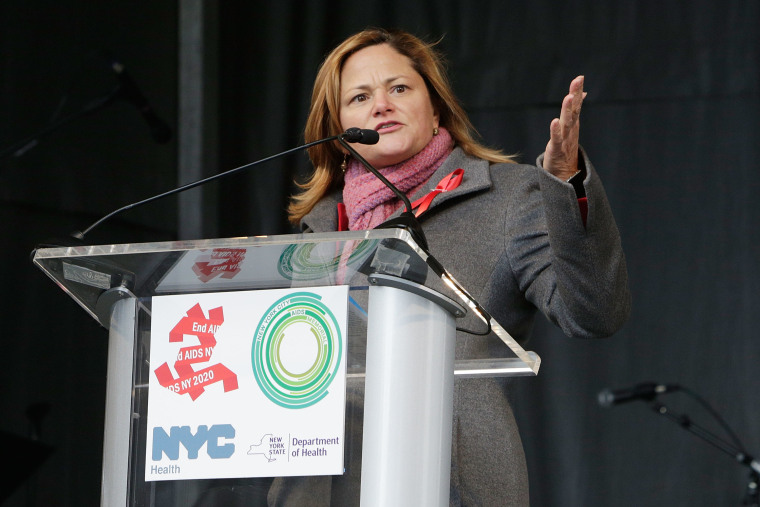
55,63
672,123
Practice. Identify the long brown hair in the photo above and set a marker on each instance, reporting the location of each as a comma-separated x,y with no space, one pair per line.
324,113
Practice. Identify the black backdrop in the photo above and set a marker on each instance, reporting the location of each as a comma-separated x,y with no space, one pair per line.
671,122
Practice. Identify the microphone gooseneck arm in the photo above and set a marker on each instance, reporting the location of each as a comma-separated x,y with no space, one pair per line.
126,89
82,234
378,175
406,220
752,495
19,148
354,135
130,92
649,392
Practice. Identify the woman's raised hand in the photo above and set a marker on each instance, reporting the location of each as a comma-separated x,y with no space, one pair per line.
561,156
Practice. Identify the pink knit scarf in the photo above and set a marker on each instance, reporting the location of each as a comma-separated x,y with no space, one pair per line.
369,203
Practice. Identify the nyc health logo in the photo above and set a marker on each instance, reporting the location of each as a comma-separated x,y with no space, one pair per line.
297,350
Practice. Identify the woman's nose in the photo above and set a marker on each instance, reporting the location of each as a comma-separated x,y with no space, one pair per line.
382,105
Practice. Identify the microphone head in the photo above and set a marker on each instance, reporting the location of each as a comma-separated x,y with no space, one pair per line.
606,398
362,136
369,136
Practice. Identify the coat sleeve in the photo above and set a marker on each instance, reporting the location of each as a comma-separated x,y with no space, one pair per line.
575,274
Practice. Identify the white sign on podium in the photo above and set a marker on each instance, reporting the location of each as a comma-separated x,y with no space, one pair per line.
247,384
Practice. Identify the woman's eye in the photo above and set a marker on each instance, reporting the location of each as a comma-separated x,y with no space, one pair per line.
359,98
399,88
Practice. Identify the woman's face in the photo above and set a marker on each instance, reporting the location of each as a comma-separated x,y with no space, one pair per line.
380,90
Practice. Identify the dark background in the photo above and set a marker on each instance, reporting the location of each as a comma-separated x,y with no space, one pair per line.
672,123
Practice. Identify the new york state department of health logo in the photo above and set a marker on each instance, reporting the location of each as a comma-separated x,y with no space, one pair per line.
297,350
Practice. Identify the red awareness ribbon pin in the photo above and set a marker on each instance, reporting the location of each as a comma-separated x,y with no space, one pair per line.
447,184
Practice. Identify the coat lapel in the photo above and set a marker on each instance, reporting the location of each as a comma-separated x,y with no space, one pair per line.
477,177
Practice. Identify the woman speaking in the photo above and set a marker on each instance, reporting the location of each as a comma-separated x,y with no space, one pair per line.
520,238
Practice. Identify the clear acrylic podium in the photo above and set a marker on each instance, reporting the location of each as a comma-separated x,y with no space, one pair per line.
393,295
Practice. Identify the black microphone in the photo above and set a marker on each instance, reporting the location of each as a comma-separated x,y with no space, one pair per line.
363,136
129,91
645,391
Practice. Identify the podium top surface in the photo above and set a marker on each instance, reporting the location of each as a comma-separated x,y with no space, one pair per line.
96,276
257,262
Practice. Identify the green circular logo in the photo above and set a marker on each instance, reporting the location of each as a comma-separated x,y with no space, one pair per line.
296,350
312,261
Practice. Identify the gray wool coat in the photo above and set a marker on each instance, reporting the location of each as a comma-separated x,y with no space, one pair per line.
513,236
